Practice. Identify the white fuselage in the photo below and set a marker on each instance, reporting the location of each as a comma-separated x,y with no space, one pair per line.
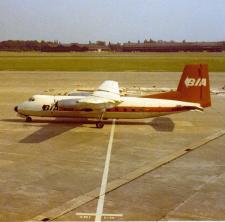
129,108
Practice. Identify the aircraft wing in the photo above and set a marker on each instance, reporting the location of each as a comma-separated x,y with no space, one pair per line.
109,90
106,96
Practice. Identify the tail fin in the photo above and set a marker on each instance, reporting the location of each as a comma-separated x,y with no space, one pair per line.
193,86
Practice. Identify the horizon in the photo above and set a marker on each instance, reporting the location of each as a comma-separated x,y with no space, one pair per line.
112,21
107,43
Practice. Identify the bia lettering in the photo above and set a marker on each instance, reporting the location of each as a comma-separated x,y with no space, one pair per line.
195,82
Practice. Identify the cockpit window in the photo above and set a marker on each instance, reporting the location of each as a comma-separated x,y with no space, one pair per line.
31,99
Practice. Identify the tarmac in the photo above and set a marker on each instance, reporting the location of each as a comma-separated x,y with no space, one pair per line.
165,168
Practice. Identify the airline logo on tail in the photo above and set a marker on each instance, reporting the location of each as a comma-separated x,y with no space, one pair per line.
195,82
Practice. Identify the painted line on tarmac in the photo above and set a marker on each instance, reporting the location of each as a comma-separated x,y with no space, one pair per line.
101,199
115,184
105,217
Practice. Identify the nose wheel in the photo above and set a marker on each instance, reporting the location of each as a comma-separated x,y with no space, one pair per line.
28,119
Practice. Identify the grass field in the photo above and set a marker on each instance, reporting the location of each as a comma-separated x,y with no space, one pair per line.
93,61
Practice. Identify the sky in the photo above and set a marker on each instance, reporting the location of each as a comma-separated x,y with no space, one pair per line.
112,20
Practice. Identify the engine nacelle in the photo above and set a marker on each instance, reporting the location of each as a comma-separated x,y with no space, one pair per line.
84,105
74,104
68,103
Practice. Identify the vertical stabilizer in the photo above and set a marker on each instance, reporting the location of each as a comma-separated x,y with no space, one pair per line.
193,86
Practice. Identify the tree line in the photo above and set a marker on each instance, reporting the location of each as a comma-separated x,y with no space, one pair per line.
44,46
146,46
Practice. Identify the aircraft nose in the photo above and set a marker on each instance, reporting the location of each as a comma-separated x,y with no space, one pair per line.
16,108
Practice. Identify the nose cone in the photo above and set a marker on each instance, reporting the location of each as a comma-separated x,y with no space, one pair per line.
16,108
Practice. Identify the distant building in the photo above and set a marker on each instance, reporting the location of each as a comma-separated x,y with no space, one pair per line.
95,47
161,46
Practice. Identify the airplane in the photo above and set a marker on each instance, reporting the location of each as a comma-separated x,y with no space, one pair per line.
193,93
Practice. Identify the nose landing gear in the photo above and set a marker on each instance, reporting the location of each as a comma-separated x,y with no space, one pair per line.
28,119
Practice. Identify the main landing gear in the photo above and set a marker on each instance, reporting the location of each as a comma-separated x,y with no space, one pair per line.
28,119
100,123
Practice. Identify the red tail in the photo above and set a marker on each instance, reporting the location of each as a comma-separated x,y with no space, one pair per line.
193,86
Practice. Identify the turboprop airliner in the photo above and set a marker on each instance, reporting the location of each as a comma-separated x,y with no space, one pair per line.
193,93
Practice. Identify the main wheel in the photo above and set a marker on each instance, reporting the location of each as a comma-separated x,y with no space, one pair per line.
28,119
99,124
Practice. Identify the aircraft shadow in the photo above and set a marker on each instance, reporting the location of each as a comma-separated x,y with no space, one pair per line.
49,131
162,124
58,126
52,129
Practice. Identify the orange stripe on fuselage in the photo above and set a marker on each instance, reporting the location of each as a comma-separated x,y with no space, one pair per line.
140,109
150,109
